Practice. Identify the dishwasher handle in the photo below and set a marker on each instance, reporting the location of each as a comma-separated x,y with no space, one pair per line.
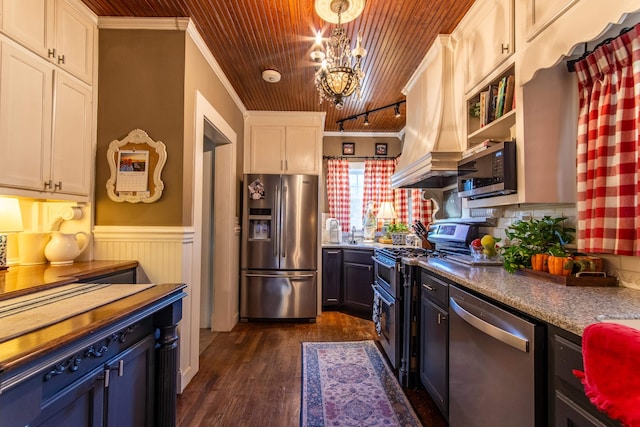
489,329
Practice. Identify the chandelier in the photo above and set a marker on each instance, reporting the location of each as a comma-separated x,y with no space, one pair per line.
339,74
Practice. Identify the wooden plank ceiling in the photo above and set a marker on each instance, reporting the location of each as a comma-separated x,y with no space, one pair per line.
248,36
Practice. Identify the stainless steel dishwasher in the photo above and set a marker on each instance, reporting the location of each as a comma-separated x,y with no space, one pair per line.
495,375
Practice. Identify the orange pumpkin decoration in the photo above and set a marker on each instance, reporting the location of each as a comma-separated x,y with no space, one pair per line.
560,266
540,262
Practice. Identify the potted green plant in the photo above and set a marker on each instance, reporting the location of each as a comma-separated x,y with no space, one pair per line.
527,238
398,232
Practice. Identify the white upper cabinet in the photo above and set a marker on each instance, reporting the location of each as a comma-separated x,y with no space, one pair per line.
26,97
287,143
54,29
542,13
45,128
71,141
267,148
301,149
553,30
487,39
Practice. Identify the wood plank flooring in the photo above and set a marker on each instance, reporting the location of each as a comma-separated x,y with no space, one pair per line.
251,376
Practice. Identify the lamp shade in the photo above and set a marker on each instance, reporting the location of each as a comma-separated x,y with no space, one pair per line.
10,217
387,211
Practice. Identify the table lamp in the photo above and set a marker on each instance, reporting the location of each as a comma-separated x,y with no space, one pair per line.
386,213
10,224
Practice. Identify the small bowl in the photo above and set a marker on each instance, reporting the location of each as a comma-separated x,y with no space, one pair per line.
478,253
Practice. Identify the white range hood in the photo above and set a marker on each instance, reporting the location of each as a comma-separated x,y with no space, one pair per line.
431,148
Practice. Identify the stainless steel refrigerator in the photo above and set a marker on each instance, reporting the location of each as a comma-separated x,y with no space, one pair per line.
278,277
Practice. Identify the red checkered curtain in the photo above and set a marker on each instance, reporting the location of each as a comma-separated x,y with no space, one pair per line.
608,146
420,208
338,191
377,182
401,204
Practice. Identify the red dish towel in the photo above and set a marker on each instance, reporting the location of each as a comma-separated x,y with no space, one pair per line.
611,377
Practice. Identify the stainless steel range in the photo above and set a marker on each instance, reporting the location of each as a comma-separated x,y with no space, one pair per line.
392,300
396,288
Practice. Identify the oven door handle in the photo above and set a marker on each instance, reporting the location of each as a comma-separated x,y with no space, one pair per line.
381,295
377,261
489,329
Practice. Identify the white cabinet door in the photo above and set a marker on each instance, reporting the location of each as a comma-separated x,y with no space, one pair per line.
542,13
488,39
71,148
267,148
74,41
25,119
30,22
301,150
53,29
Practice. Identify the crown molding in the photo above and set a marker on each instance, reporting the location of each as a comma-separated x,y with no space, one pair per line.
133,23
192,31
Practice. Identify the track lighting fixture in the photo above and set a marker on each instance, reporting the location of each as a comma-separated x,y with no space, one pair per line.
396,107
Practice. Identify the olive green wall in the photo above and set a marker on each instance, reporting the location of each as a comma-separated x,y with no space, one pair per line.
364,146
200,77
148,80
141,86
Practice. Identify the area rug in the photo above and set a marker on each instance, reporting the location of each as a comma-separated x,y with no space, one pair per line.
350,384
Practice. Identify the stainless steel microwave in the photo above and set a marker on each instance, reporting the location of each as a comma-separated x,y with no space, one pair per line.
489,173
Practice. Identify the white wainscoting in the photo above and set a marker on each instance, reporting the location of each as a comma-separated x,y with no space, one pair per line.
164,255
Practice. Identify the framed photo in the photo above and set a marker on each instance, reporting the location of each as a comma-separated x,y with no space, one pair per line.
348,148
381,149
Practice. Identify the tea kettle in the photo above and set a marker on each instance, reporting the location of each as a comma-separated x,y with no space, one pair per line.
335,232
63,248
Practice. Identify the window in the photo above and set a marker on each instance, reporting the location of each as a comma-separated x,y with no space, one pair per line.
356,189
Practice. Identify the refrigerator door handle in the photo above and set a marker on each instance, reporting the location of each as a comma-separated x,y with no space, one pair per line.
283,276
276,216
283,226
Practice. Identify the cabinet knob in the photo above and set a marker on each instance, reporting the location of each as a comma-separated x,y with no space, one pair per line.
505,48
51,53
48,184
60,59
58,186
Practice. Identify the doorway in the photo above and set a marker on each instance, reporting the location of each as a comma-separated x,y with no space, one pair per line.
212,138
224,311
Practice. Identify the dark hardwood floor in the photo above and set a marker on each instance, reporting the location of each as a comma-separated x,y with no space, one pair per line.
251,376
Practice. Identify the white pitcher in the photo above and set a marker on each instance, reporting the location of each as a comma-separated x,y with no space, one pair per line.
63,248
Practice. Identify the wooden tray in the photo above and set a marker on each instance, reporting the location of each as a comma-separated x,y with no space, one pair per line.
572,280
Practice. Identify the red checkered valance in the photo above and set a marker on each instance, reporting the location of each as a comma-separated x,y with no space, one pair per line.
607,148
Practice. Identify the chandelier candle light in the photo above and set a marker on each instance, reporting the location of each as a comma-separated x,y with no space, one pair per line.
340,73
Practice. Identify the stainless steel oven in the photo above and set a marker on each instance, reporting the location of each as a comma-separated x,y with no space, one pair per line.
386,273
386,305
385,317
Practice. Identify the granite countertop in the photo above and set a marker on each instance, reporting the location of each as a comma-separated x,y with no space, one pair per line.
568,307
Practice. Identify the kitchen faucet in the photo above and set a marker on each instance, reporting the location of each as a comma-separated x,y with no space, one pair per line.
353,235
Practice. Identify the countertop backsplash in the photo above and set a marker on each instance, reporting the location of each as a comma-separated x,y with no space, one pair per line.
626,268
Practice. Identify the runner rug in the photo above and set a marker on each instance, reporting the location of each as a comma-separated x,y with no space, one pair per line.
350,384
27,313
